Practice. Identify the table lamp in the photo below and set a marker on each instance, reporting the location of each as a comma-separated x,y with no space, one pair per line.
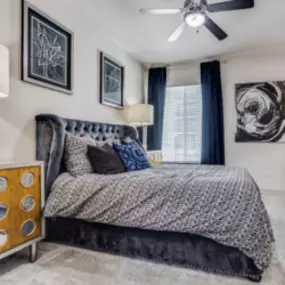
139,115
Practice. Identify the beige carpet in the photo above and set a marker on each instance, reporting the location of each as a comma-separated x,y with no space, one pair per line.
61,265
68,266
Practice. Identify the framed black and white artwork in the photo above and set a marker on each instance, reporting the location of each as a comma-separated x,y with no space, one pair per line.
111,82
260,112
47,51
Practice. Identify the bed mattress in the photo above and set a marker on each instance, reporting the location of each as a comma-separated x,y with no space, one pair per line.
216,202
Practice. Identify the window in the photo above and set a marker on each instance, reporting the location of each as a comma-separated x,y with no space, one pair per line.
182,131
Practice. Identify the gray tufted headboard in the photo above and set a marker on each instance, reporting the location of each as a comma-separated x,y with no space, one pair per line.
50,136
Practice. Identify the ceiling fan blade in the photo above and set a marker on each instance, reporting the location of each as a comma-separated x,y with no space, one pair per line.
231,5
178,32
214,29
161,11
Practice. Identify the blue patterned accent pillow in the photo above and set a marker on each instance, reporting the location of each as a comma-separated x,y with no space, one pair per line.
132,155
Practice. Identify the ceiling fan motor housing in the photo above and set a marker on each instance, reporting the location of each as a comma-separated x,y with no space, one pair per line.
191,7
192,4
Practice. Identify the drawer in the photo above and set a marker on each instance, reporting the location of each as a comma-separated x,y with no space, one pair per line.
20,206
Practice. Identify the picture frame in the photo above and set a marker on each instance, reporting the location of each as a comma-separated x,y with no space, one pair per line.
112,75
47,51
260,108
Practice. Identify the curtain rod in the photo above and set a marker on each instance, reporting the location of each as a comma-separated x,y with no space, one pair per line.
186,63
224,58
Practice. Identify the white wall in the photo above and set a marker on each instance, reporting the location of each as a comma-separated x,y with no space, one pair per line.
182,75
17,127
265,161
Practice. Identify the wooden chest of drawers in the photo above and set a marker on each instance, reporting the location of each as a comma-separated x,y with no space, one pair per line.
21,205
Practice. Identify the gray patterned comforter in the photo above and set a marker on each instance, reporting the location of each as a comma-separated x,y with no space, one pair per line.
221,203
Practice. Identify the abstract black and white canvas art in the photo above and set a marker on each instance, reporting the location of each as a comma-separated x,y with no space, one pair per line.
47,49
260,112
112,82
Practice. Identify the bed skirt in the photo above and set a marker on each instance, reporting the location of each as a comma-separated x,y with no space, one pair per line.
171,248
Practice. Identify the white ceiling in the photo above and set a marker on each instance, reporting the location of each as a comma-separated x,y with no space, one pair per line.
146,36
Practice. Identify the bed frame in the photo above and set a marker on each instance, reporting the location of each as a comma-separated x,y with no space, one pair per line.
173,248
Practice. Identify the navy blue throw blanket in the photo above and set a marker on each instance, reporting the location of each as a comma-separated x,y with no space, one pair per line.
156,97
213,151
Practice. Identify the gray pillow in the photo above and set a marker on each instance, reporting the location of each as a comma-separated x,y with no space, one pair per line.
105,160
76,159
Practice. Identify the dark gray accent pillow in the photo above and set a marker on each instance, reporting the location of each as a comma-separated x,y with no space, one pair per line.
105,160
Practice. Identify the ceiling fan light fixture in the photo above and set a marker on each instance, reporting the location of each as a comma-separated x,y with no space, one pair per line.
195,19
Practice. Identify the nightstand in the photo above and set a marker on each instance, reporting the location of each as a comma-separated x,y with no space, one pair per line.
21,205
155,157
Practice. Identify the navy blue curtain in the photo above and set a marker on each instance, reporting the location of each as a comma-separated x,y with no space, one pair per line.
213,151
156,97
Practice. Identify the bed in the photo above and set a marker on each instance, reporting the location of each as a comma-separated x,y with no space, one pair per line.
158,242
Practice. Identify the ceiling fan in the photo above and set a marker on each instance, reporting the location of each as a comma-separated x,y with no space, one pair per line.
195,14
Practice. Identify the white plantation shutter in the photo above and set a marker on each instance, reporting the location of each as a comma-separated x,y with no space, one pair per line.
182,131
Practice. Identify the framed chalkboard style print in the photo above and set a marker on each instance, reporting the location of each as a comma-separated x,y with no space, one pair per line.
47,51
111,82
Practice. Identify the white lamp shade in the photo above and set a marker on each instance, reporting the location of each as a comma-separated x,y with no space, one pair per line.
4,71
139,114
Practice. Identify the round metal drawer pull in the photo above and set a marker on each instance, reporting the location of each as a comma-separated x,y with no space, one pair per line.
28,203
3,238
27,179
28,227
3,211
3,184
